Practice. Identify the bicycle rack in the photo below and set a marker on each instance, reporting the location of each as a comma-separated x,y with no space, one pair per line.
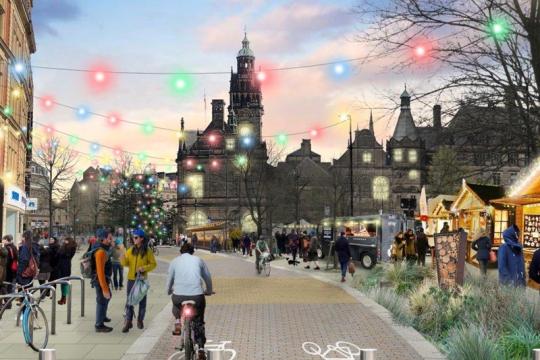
53,303
66,281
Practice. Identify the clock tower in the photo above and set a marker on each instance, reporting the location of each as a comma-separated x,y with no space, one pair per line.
245,98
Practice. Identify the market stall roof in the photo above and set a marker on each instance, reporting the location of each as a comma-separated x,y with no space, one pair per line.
302,224
440,204
218,225
474,196
518,200
526,191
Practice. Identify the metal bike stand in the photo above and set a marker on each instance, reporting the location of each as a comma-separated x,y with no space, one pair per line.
69,278
367,354
47,354
536,354
53,306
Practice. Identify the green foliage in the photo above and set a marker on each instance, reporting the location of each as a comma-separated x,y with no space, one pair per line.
472,343
393,302
369,280
520,341
405,278
445,172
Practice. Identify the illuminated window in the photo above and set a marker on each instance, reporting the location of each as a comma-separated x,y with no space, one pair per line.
197,218
366,157
413,156
413,175
381,188
229,144
398,155
196,185
501,223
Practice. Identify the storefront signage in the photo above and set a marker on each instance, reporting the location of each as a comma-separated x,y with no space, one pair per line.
32,204
531,231
15,197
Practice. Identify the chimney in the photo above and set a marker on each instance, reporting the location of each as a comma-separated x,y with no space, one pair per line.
306,147
437,116
218,108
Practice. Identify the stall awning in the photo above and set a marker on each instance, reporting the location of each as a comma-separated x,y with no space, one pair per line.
518,200
218,225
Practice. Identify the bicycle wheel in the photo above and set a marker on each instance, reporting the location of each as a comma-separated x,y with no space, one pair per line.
36,328
188,340
267,268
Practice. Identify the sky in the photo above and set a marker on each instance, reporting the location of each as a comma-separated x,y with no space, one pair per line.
205,36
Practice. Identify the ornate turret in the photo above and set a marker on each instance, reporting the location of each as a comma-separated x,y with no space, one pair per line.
371,128
405,127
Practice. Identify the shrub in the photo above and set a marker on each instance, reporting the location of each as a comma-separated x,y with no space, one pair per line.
472,343
369,280
393,302
405,278
519,343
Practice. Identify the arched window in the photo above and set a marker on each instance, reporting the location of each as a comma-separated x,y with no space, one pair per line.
381,188
248,224
197,218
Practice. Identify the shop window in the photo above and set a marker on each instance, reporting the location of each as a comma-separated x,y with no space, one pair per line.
367,157
398,155
414,175
197,218
496,178
500,224
413,156
381,188
195,183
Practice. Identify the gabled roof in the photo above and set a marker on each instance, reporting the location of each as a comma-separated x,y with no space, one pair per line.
405,127
477,196
487,192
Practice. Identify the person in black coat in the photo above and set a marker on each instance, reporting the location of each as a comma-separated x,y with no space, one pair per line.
63,265
482,246
344,254
422,246
27,249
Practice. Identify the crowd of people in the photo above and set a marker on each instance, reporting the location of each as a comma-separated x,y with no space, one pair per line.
410,247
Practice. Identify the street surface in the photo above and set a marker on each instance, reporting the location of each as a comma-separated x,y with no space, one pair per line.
263,318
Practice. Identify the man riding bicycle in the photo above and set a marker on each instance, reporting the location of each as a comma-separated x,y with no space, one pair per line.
184,283
261,247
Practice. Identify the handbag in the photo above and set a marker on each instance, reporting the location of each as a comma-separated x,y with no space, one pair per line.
492,256
320,254
352,268
138,290
14,262
32,269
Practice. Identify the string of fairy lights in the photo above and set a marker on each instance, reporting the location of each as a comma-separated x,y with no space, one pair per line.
100,77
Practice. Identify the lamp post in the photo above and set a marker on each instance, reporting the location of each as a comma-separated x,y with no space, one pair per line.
347,117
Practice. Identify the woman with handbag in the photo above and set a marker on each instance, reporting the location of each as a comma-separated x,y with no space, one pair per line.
482,246
140,260
28,262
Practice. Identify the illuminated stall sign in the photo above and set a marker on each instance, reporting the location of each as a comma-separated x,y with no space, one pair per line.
531,231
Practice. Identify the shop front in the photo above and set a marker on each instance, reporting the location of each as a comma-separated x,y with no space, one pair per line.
13,212
206,232
524,200
472,211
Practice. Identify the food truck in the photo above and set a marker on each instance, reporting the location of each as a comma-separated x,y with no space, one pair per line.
370,236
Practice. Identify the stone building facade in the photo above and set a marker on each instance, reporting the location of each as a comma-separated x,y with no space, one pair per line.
17,44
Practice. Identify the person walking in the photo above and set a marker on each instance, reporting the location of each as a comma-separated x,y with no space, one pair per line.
194,240
64,256
283,242
482,246
246,245
344,254
102,279
11,263
422,246
445,229
261,247
410,247
28,261
313,255
293,245
118,270
140,260
213,244
511,262
534,269
46,262
398,248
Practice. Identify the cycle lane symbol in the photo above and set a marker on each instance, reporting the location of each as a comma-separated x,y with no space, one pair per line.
215,349
342,350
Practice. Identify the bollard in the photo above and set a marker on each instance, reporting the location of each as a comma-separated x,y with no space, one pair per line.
69,303
47,354
536,354
82,297
53,311
367,354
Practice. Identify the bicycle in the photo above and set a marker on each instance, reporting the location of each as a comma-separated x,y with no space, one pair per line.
264,264
187,342
35,326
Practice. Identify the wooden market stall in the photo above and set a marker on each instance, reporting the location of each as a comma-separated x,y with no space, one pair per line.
205,233
473,212
439,213
524,199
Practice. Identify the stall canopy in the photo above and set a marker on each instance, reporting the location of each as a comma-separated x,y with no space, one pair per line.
474,196
302,224
525,192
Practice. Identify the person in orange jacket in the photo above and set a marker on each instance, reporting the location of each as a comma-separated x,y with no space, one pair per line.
101,280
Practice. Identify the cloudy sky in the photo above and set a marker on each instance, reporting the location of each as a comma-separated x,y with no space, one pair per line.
202,36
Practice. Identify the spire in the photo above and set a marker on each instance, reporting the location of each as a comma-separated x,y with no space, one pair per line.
371,128
405,126
245,50
181,142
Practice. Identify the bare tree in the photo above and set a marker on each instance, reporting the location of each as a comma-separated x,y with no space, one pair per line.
488,49
58,162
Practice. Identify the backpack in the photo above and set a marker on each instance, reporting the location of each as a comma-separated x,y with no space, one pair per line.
87,265
32,269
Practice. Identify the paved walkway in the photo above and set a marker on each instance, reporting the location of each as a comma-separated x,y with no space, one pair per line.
270,318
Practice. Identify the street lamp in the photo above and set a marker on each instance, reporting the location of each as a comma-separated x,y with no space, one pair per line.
347,117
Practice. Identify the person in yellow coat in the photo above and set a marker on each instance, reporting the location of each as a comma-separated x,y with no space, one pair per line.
139,259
